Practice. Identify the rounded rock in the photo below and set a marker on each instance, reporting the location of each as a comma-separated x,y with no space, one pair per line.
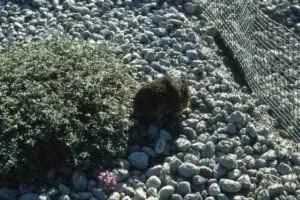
165,192
230,186
139,159
214,190
229,161
153,182
79,181
183,188
188,170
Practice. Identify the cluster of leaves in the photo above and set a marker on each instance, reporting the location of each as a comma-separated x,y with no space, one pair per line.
62,100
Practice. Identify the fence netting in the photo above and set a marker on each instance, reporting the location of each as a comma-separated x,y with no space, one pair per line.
268,54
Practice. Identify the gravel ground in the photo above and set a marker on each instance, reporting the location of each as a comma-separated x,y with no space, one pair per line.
227,149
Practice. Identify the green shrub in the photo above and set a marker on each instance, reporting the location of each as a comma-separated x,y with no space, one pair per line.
62,101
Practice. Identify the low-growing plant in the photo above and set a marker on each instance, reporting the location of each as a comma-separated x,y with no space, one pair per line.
62,101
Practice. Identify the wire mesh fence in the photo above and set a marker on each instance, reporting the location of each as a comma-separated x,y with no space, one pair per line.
267,52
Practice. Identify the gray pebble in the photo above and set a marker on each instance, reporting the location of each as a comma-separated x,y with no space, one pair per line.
245,181
165,192
79,181
183,188
153,182
139,159
190,7
198,180
275,189
44,197
182,144
230,186
154,171
159,32
237,118
284,168
64,197
269,155
193,196
188,170
234,174
229,161
214,190
263,195
99,193
208,150
8,194
139,194
29,196
192,54
152,192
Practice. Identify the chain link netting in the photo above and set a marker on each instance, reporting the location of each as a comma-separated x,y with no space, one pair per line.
268,54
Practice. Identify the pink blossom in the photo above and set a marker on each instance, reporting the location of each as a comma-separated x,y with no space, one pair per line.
108,179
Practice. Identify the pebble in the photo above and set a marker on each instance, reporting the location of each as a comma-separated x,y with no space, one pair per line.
183,188
275,189
193,196
229,161
182,144
153,182
139,194
263,195
237,118
214,190
99,193
8,193
208,150
269,155
28,196
230,186
79,181
139,159
165,192
188,170
284,168
64,197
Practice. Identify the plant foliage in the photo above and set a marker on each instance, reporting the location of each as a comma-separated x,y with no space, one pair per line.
61,100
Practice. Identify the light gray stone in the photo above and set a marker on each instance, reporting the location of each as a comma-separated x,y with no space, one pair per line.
208,150
263,195
230,186
237,118
64,197
165,192
182,144
183,188
275,189
245,181
284,168
193,196
154,171
214,190
269,155
188,170
229,161
139,194
153,182
44,197
139,160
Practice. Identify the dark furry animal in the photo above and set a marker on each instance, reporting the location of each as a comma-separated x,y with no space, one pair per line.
162,98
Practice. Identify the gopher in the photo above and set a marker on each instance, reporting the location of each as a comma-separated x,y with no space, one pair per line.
162,98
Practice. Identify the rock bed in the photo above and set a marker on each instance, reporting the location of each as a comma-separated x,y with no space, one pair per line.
227,149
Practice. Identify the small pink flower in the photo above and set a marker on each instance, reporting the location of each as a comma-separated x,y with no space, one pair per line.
108,179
